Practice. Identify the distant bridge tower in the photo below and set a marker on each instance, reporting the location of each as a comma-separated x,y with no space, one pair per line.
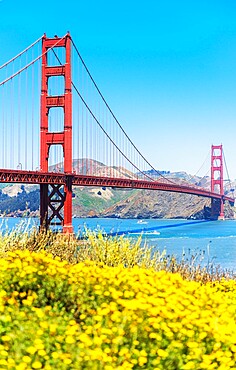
217,182
56,200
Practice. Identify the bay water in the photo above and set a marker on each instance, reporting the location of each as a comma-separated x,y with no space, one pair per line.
215,240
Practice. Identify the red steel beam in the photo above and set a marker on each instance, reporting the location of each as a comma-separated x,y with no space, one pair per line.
51,42
55,101
31,177
55,137
35,177
54,71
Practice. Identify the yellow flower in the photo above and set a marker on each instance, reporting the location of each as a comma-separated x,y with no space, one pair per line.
42,352
36,365
21,366
31,350
70,339
44,324
142,360
27,302
26,359
6,338
67,361
55,355
3,293
53,328
22,294
162,353
39,313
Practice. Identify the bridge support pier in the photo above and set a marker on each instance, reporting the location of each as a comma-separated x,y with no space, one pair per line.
217,209
56,206
67,225
44,205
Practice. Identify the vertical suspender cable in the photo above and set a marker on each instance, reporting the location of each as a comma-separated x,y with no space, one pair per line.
10,149
32,118
3,131
83,130
26,115
19,118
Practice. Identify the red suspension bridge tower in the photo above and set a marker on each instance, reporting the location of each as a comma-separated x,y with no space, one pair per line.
56,200
217,182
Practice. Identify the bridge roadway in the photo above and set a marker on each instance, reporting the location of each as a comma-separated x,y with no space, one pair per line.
38,177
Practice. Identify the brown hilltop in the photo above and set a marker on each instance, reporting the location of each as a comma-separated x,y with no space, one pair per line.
85,166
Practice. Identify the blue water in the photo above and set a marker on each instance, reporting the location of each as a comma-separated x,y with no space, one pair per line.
215,239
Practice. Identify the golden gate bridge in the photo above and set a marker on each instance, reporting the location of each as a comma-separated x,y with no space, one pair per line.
51,111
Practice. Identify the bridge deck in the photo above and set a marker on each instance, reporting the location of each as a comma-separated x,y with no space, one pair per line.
36,177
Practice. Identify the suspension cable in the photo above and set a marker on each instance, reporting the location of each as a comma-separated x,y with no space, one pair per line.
201,168
108,136
229,181
31,63
113,115
22,52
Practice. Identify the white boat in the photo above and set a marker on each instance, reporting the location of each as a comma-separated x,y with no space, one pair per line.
141,222
155,232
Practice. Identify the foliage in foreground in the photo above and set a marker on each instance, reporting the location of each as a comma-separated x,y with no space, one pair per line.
112,251
55,315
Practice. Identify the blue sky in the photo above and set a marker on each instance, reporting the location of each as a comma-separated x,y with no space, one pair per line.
167,68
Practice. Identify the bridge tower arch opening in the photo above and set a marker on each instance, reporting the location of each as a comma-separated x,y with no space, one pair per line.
56,200
217,181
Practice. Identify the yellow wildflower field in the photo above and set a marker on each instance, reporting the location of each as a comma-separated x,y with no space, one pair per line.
55,315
